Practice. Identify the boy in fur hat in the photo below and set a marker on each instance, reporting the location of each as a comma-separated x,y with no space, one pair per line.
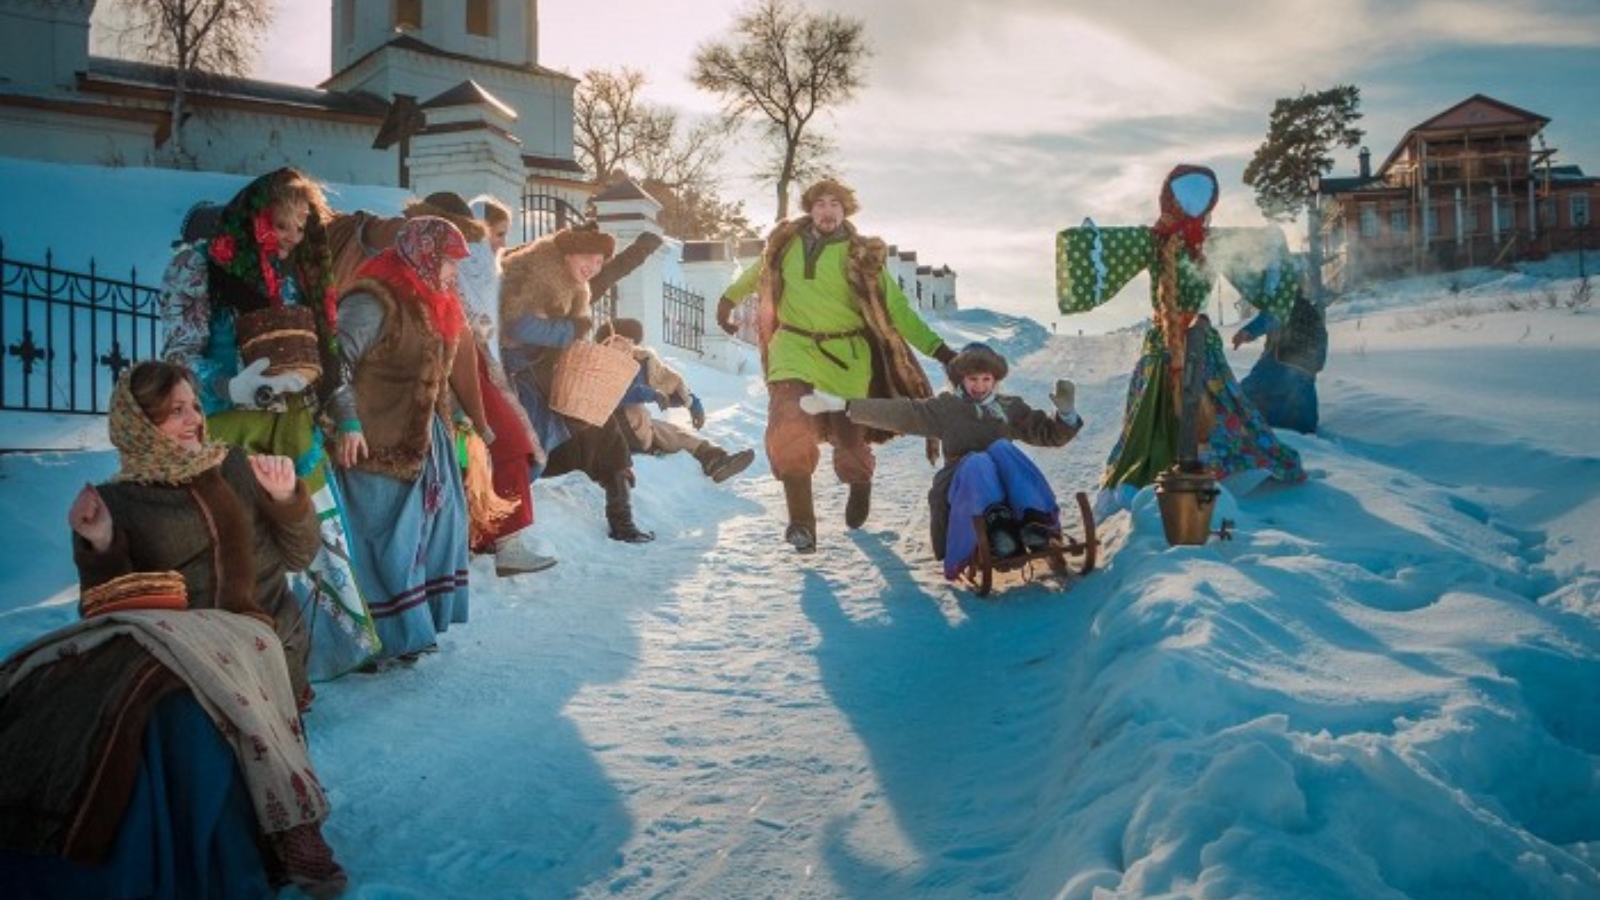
984,473
544,308
660,384
832,319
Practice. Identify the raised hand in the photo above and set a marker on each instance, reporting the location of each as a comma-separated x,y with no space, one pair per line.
275,474
90,519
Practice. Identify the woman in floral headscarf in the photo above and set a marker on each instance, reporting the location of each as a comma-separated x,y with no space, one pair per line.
270,252
399,324
154,749
1181,252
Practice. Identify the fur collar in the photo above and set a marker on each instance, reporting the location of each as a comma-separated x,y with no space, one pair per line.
535,281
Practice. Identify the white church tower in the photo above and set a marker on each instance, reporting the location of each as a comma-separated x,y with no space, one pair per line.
423,49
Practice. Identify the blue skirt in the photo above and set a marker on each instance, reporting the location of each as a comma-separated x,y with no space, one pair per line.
411,539
189,831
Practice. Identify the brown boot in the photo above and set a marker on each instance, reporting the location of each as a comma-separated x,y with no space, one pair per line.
802,530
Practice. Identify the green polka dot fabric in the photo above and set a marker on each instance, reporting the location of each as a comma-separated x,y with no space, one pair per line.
1257,263
1094,263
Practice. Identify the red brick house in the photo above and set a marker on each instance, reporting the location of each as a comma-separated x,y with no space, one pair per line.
1472,186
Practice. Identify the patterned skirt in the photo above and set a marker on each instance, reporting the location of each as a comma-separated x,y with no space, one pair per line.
1239,439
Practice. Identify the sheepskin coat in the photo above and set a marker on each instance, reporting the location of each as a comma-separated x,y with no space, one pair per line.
535,281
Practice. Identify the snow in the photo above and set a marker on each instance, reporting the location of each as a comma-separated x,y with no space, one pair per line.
1385,685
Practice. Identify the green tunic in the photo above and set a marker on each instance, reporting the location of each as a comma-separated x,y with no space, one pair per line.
820,302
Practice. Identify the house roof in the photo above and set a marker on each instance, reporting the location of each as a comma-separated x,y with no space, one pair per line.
104,71
407,42
1476,113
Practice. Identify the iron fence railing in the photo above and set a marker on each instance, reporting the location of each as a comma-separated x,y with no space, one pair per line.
67,336
683,318
544,214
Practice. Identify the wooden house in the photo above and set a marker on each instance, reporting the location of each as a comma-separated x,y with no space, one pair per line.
1475,185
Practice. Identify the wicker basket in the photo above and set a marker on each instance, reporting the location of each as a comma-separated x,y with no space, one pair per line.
591,379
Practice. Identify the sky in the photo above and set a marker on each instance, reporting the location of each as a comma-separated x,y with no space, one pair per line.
986,126
1385,685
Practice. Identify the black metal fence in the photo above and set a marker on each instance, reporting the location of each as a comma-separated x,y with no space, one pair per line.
544,214
69,335
683,318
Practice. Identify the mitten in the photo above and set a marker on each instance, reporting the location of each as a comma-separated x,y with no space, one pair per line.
817,404
944,354
663,401
1065,399
725,316
697,413
252,388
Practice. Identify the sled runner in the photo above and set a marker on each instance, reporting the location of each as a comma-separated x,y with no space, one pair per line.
1063,554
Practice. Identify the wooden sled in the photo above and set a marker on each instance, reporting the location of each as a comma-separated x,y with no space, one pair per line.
1064,554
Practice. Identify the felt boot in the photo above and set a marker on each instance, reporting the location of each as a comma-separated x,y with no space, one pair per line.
802,530
859,505
619,511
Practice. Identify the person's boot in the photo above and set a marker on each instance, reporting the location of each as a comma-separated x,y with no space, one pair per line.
513,556
709,456
619,511
859,505
1001,528
730,464
802,530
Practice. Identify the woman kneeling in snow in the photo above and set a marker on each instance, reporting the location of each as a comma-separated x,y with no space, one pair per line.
984,472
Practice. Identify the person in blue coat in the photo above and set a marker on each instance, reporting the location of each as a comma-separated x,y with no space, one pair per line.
1283,382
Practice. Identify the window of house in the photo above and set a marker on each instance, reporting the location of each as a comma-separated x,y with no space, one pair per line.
1430,221
1579,208
1369,220
1469,219
408,14
1399,221
347,21
480,18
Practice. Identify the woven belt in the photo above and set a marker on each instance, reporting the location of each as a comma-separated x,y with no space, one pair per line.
818,337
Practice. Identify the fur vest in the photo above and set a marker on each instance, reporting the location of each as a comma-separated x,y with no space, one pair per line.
895,371
535,281
401,383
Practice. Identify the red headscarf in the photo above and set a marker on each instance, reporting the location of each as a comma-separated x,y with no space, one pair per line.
415,263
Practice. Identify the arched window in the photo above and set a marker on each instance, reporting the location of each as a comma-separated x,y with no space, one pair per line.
408,14
480,18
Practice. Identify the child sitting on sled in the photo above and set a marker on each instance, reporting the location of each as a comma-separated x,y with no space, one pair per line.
984,473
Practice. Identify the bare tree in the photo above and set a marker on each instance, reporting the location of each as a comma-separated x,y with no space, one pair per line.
782,66
612,127
194,37
616,130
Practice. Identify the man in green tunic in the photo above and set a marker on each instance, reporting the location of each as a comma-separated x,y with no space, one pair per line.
833,320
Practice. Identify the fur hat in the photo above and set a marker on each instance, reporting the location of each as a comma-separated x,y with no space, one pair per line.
827,186
977,357
453,209
571,241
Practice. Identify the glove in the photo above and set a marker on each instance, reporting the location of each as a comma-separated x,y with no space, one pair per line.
944,354
663,401
1065,397
697,413
252,389
817,404
725,316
